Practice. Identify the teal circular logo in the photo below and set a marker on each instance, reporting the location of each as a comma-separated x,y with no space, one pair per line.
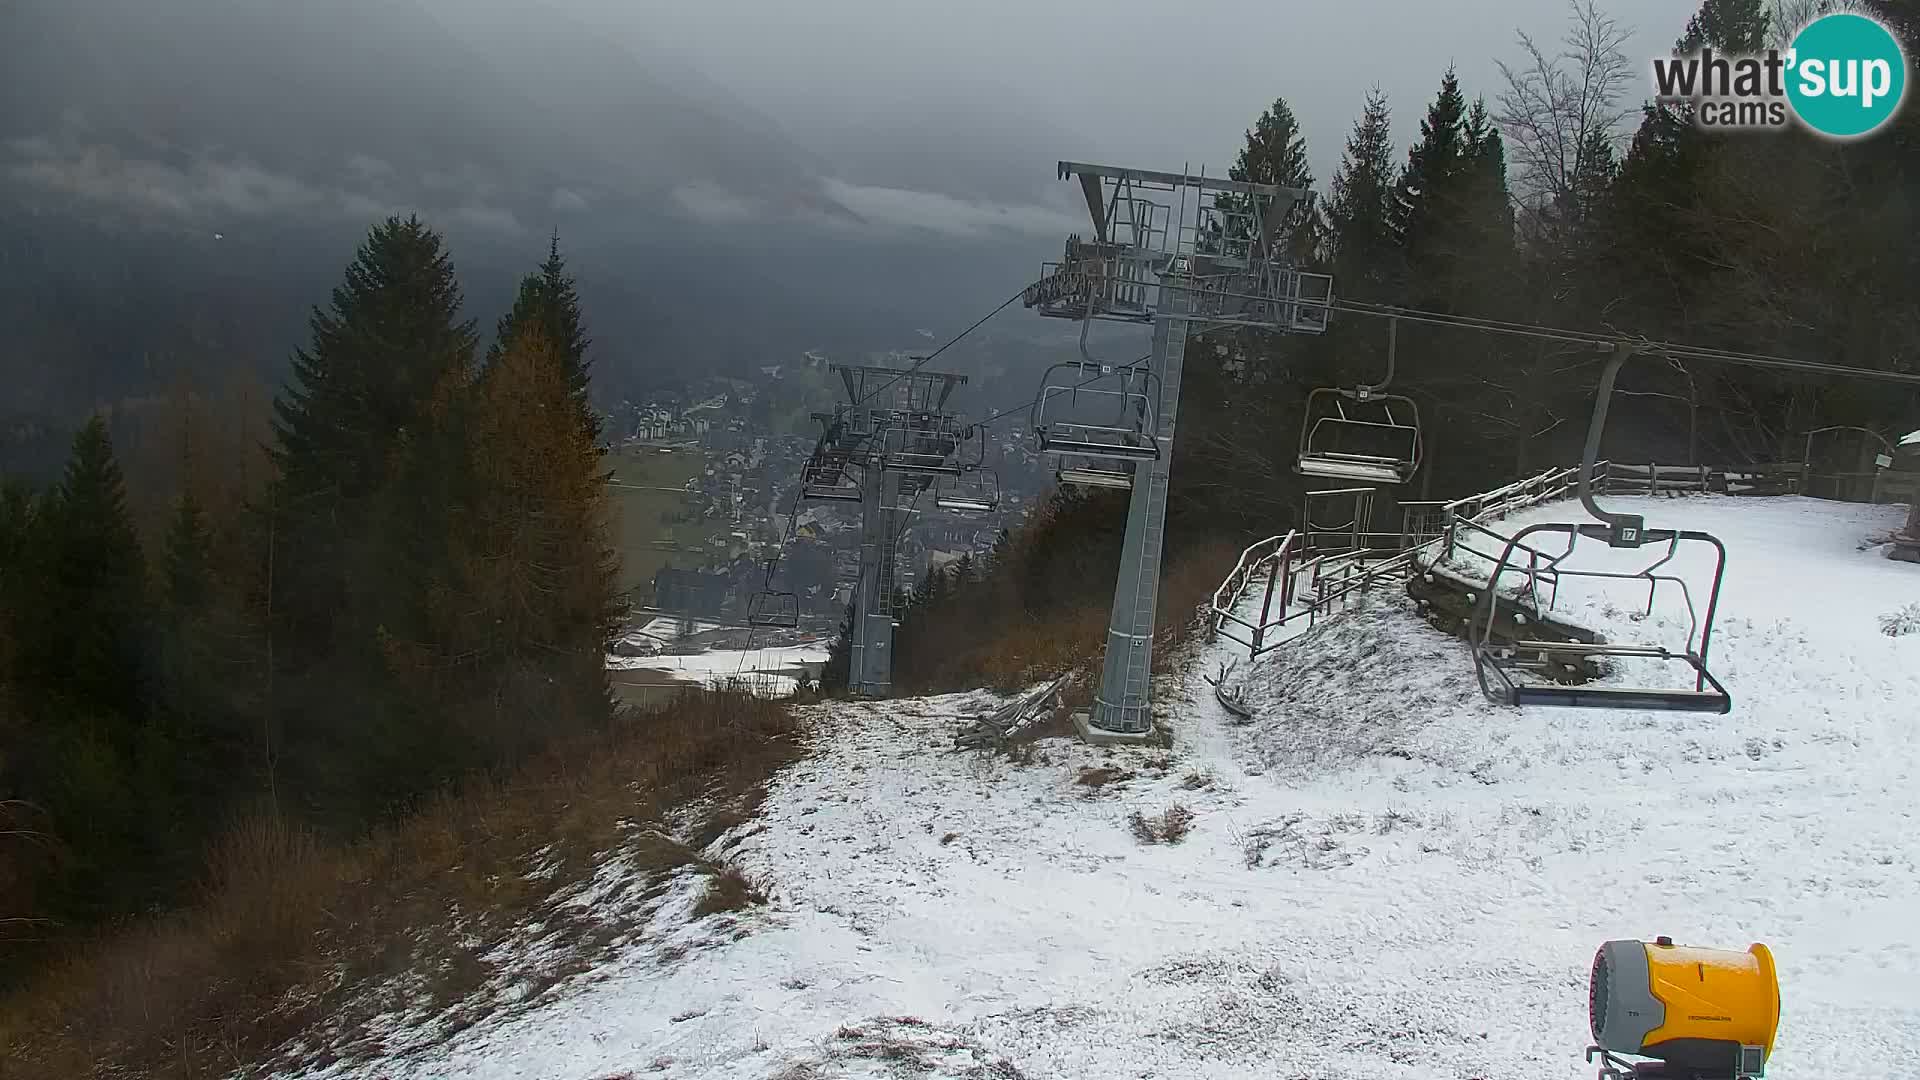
1848,75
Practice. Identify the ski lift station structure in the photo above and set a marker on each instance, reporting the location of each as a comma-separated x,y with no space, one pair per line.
1173,250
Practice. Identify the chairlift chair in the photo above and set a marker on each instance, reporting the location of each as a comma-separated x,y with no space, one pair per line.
1074,418
1503,670
1355,436
1506,672
824,475
770,608
976,491
773,610
1363,434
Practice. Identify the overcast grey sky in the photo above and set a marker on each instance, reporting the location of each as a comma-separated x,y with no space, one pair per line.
1154,85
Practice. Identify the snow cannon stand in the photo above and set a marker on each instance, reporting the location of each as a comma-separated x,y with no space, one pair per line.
1701,1014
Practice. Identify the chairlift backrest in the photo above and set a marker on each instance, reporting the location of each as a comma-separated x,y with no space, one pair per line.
1113,422
1361,436
778,610
975,492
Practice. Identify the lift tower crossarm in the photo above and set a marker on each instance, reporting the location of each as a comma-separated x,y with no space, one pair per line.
1291,195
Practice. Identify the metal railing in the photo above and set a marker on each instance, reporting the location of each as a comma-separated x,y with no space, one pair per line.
1310,581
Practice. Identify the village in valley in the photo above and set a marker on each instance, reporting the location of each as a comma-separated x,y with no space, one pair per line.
705,482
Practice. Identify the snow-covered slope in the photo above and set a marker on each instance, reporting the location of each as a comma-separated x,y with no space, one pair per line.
1386,876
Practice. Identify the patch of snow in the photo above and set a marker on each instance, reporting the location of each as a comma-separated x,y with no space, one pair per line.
771,672
1911,438
1387,877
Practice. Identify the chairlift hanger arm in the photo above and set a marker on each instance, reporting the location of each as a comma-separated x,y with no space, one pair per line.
1393,338
1615,523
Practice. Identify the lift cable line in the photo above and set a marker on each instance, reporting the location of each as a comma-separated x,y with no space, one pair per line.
951,342
1675,350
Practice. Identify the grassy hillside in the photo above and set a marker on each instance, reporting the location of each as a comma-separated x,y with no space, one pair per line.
647,496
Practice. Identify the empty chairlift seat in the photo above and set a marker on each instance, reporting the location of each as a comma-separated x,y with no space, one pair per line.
1110,423
1365,438
973,492
1095,476
774,610
1100,433
1520,672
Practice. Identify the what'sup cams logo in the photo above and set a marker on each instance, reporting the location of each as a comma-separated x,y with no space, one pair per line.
1843,75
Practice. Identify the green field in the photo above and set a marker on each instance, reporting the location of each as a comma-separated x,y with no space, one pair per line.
642,514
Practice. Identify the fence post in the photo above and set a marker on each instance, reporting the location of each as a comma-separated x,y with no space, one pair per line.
1286,571
1653,478
1266,604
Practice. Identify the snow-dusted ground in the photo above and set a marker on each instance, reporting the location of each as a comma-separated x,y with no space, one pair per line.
770,671
1386,876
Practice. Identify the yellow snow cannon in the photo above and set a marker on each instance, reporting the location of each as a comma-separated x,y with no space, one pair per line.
1702,1014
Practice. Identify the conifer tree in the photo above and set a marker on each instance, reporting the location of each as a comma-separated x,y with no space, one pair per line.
187,573
1358,218
1275,152
1431,179
382,355
1488,204
532,598
79,649
548,300
1727,26
365,449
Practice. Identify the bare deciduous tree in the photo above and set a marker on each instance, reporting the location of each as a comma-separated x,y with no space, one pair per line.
1554,106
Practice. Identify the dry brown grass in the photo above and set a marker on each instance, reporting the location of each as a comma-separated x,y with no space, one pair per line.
1168,827
729,890
294,934
1019,649
1097,778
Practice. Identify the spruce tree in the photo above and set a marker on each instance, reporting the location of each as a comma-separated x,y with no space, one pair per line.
187,573
549,301
1359,209
365,448
1275,152
80,650
1727,26
382,355
1594,171
1489,205
1425,198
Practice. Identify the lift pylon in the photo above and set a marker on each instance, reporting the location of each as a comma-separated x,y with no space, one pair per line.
889,442
1174,250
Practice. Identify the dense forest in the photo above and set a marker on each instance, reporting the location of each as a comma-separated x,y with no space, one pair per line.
415,584
1536,201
